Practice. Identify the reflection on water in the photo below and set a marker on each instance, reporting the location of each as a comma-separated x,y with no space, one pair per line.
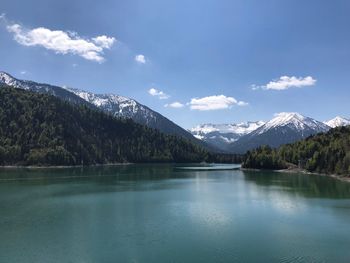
306,185
156,213
123,172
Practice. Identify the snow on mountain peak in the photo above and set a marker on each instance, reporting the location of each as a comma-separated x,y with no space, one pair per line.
221,135
295,121
4,75
7,79
337,122
284,118
239,128
100,99
118,105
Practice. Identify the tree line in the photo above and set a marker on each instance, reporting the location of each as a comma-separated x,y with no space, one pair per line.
322,153
39,129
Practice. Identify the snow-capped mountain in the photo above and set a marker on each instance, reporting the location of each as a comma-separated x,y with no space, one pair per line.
294,121
285,127
116,105
123,107
7,79
337,122
222,135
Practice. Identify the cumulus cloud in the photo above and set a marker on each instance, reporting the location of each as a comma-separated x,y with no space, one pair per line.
140,59
175,104
158,93
285,82
216,102
104,41
62,42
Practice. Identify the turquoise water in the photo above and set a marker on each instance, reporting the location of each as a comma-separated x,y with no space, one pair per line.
156,213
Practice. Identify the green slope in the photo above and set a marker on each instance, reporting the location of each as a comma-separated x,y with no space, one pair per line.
322,153
38,129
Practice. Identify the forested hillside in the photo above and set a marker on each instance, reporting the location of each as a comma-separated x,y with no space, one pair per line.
323,153
38,129
116,105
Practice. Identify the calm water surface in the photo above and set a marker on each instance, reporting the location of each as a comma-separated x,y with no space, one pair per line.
155,213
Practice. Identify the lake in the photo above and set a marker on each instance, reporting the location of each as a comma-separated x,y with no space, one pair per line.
158,213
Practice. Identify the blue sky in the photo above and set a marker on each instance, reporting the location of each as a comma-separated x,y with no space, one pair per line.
213,61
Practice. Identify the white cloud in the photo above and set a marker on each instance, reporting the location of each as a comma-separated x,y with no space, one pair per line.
216,102
140,59
23,72
286,82
62,42
175,104
104,41
160,94
242,103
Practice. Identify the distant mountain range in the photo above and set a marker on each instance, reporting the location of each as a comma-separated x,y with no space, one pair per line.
283,128
222,135
233,138
116,105
337,122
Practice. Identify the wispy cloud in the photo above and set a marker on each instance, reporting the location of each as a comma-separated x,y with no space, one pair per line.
175,104
140,59
286,82
158,93
61,42
216,102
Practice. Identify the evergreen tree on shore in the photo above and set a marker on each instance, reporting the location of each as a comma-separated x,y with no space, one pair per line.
322,153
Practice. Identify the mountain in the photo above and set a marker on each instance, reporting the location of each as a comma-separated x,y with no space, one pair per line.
39,129
337,122
7,79
284,128
322,153
222,135
116,105
123,107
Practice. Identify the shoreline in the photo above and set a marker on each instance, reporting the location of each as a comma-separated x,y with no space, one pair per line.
59,166
288,170
303,171
93,165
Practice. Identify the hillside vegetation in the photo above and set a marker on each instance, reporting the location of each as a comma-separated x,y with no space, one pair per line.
38,129
322,153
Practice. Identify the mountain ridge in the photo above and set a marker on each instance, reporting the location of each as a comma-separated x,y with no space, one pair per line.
337,122
118,106
41,129
221,135
283,128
